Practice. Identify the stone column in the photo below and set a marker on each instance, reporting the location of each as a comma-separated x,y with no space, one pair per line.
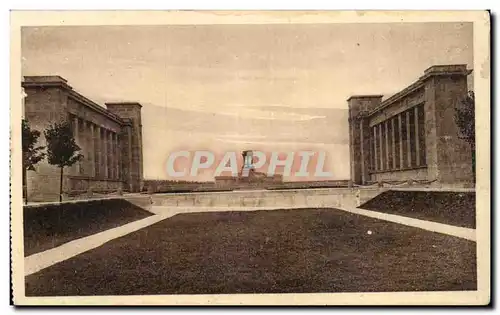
375,151
88,139
113,153
359,106
448,157
393,144
371,149
111,172
387,166
97,150
408,137
109,147
99,146
92,150
119,158
111,156
381,140
365,149
83,147
362,149
76,134
115,156
401,155
130,159
105,153
115,159
417,142
352,156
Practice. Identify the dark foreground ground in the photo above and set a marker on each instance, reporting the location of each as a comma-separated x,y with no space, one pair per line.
454,208
49,226
315,250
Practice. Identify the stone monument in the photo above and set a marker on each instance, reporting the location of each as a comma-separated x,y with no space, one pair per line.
248,177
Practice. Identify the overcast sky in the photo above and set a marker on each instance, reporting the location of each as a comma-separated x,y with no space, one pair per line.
235,87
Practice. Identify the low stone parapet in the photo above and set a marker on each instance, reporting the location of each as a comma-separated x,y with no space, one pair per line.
299,198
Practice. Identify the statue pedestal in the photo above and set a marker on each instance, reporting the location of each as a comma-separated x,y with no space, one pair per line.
248,178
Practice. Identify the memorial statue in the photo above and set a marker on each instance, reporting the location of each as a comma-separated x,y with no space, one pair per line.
247,163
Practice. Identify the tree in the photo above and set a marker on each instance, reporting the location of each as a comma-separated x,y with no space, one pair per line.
32,154
465,120
62,149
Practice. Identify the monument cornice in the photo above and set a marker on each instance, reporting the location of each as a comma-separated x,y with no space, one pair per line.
96,107
56,81
434,71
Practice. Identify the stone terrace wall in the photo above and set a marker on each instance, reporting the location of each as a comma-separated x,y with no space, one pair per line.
299,198
159,186
165,186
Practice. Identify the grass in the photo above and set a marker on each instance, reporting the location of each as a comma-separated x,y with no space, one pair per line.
454,208
299,251
49,226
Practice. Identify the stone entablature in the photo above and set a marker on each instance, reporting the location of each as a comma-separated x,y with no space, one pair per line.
411,135
407,94
110,140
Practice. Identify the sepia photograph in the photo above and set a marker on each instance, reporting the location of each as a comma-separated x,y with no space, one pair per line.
250,158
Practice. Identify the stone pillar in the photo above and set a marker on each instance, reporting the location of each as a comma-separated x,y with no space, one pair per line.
45,103
97,160
130,160
386,123
352,156
359,107
130,112
115,156
92,151
448,157
88,149
105,153
381,141
111,169
375,151
76,134
364,174
118,158
98,148
393,144
417,140
110,154
401,155
87,138
369,135
99,166
408,137
83,147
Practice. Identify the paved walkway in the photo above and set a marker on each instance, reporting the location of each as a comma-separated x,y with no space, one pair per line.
39,261
457,231
42,260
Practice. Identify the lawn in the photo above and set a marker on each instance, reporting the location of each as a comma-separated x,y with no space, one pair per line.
454,208
52,225
300,251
